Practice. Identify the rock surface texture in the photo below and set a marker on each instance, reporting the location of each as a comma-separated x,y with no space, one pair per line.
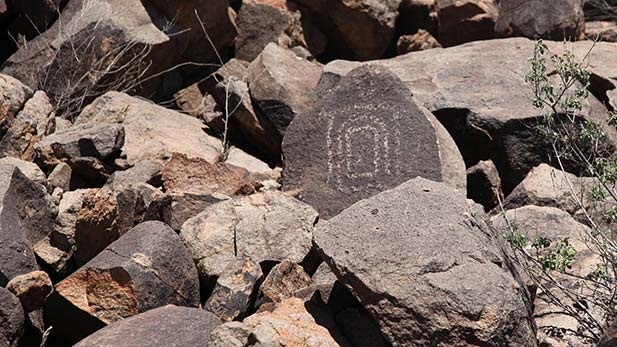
394,276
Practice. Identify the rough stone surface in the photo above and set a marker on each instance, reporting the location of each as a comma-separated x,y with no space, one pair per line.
31,124
146,268
463,21
32,289
191,185
231,297
283,281
152,132
13,95
356,29
256,167
554,322
419,41
484,184
170,325
60,176
548,186
535,19
281,84
147,171
477,91
261,22
91,33
366,136
30,170
384,249
229,88
11,319
602,31
232,334
25,218
265,227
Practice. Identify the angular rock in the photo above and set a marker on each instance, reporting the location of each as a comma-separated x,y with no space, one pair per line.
256,167
11,319
484,184
13,95
147,171
553,321
260,22
602,31
113,42
356,29
548,186
229,88
231,334
164,326
485,107
232,295
30,170
535,19
282,84
294,323
148,267
463,21
283,281
383,249
264,227
32,289
322,281
26,215
99,141
28,127
420,41
193,184
152,132
60,176
367,135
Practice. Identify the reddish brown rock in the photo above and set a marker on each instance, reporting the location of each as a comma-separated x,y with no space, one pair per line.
146,268
283,281
420,41
32,289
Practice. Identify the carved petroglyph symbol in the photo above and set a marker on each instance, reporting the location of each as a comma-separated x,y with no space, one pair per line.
362,145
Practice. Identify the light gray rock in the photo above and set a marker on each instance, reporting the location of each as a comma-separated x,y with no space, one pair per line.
13,95
385,250
232,296
265,227
152,132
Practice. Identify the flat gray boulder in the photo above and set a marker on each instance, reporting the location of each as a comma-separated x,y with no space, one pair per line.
367,135
425,270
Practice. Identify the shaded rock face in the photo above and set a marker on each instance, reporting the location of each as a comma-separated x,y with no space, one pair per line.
25,218
357,29
465,21
293,322
11,319
535,19
477,91
367,135
32,289
382,248
261,22
231,297
100,36
170,325
228,90
484,184
265,227
146,268
282,84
